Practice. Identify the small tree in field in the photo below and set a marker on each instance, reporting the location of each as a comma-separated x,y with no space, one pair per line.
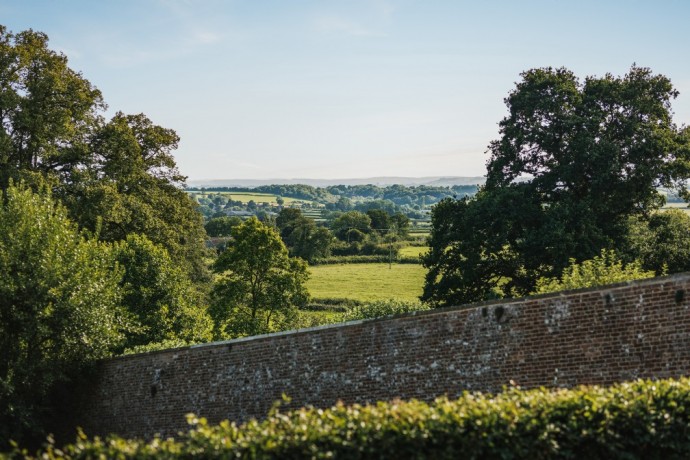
259,285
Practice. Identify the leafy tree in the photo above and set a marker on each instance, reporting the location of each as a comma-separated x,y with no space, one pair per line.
380,220
259,285
606,268
574,161
288,219
302,237
116,178
59,306
401,224
221,226
662,242
135,188
159,296
343,225
48,111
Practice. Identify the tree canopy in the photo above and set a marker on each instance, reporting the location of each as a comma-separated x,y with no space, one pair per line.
116,178
574,160
259,286
102,261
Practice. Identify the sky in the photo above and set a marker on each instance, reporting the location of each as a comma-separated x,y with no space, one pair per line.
261,89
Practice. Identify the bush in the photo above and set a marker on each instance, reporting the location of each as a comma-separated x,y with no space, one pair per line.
607,268
642,419
381,308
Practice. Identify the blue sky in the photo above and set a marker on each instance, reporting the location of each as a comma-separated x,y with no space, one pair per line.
350,88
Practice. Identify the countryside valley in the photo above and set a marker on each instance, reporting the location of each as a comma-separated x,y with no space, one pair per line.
109,255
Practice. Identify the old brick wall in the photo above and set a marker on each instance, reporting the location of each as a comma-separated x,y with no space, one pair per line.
596,336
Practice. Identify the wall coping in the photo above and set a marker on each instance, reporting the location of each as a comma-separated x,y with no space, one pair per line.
605,288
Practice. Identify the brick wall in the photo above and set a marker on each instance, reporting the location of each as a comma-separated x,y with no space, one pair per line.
593,336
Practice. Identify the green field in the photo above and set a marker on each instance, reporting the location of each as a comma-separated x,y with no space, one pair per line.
245,197
413,251
366,282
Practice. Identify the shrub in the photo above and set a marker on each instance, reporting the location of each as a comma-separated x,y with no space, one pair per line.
642,419
604,269
381,308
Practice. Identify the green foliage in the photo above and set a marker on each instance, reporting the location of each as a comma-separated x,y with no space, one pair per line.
302,237
661,243
221,226
48,111
260,286
134,188
116,178
381,308
160,296
574,161
641,419
59,306
606,268
351,226
166,344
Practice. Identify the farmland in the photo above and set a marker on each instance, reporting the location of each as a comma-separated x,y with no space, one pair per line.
367,282
246,197
413,251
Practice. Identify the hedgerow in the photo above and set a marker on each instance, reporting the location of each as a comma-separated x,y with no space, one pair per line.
365,259
641,419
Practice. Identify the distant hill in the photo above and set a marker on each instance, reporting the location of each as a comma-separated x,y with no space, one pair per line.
380,181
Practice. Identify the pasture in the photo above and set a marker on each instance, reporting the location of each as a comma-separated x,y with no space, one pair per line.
246,197
413,251
367,282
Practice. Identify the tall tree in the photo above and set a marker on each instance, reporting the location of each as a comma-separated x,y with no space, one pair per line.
47,111
259,285
574,160
349,221
302,236
134,187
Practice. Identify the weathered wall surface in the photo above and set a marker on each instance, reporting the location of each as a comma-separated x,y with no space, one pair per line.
599,336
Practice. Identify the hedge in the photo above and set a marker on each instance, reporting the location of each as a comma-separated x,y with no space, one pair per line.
641,419
371,259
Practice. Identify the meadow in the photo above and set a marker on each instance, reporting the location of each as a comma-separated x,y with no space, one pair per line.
367,282
413,251
246,197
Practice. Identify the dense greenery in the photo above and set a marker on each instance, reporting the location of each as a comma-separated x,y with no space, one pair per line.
641,419
59,306
574,162
661,242
112,257
606,268
161,298
259,286
116,178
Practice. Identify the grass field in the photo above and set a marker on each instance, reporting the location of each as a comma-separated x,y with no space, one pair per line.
413,251
258,198
366,282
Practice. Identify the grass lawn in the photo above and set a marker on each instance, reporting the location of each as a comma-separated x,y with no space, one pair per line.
365,282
